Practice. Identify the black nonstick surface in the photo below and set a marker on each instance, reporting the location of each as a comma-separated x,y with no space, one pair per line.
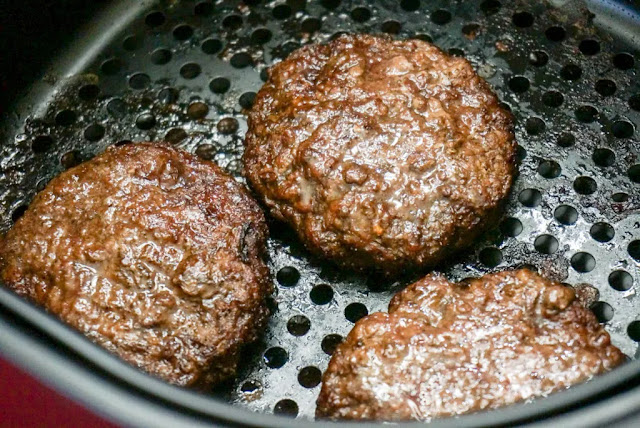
187,71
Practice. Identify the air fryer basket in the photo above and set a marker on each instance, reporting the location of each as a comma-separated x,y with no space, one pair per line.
187,71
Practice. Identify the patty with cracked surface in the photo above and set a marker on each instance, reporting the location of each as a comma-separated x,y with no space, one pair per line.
445,349
150,252
381,154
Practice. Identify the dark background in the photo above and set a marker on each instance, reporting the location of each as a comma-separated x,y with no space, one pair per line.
32,32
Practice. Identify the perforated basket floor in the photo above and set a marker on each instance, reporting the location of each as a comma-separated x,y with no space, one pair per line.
185,71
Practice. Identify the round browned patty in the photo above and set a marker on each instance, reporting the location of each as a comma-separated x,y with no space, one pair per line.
380,153
445,349
150,252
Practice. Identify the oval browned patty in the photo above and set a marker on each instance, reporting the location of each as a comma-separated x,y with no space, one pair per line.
380,153
445,349
150,252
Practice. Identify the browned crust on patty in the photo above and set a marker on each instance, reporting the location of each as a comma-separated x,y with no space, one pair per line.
445,349
380,153
150,252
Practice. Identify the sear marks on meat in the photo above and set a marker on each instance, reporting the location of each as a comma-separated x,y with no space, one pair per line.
381,154
153,254
445,349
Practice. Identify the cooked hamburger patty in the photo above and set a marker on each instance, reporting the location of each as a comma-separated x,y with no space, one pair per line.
150,252
445,349
380,153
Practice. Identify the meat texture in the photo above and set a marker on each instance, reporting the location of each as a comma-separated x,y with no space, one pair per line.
153,254
381,154
445,349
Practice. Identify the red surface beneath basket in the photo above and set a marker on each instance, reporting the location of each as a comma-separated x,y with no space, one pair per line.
25,402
